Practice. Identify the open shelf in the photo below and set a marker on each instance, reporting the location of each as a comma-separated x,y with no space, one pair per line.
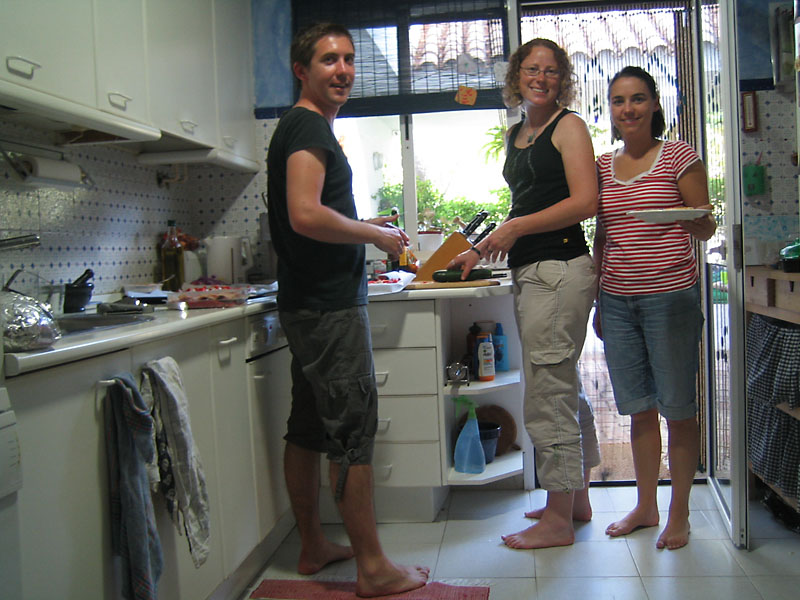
501,380
507,465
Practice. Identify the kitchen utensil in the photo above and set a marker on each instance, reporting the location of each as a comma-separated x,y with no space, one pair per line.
228,257
77,296
489,228
475,223
442,285
84,278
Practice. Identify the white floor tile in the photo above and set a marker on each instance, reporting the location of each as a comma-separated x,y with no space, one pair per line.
484,530
764,525
420,533
501,589
478,503
596,559
769,557
484,560
773,587
600,500
706,558
596,588
700,588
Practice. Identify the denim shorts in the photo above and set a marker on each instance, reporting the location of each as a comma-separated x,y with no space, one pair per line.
652,348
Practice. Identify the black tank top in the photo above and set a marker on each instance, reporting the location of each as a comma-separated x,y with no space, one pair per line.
536,178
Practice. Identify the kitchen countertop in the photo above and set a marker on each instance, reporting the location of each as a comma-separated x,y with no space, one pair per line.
166,322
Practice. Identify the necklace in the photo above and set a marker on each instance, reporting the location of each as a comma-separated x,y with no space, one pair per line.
532,136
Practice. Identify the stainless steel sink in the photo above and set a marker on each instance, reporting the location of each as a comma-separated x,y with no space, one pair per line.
77,323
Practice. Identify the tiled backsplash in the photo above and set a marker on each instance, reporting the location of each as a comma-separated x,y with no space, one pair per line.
773,215
114,228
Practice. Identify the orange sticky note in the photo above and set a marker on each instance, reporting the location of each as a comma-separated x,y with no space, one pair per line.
466,95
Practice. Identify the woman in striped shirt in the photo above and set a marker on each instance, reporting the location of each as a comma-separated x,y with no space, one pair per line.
649,313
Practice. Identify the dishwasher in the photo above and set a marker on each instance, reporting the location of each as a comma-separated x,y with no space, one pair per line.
270,392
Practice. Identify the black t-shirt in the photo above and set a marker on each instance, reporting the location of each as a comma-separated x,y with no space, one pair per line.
536,178
312,274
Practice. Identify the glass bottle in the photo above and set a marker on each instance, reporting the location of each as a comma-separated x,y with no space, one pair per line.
172,259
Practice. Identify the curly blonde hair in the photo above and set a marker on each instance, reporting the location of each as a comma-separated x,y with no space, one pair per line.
511,94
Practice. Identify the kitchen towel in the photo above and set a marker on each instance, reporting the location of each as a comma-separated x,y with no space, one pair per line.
182,480
129,447
301,589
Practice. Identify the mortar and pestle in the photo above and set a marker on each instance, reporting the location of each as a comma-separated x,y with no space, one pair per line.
78,293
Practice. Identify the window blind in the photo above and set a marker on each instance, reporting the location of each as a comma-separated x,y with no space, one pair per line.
412,56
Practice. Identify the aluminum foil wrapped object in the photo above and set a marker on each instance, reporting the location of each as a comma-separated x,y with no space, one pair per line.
27,323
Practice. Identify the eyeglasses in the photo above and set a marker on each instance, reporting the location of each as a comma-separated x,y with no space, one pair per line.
534,72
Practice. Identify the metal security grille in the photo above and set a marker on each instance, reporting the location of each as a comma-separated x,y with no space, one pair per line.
412,56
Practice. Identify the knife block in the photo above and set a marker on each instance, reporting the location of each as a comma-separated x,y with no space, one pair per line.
454,245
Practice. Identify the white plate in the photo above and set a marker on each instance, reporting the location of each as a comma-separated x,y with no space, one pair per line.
668,215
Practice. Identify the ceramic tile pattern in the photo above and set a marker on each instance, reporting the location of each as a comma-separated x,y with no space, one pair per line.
463,547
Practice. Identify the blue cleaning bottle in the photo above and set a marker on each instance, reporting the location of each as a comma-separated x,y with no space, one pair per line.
500,349
469,455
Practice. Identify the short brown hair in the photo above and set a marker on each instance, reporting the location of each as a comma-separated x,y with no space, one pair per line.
305,42
566,94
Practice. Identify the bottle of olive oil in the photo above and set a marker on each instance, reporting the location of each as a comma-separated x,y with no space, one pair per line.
172,259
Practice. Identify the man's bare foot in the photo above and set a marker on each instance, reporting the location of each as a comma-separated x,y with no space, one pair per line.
581,510
392,579
314,559
541,535
638,517
675,534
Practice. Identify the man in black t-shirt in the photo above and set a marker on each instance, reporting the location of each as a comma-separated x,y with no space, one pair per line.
322,297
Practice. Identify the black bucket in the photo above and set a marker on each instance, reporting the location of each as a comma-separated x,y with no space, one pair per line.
489,433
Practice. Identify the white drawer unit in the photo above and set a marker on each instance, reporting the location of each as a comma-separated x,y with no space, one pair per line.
408,419
402,324
406,371
407,465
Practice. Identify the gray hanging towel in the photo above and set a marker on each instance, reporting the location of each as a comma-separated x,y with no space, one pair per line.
182,480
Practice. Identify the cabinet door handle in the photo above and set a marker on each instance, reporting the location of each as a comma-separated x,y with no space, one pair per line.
378,329
118,100
229,341
21,66
188,126
229,141
383,425
381,377
383,472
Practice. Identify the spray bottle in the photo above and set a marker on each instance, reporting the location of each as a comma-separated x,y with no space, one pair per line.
469,455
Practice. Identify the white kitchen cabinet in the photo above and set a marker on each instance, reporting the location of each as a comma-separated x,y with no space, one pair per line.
234,78
180,57
120,58
180,578
237,488
270,394
48,46
65,534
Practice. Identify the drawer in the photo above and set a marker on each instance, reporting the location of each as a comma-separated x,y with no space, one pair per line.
402,324
760,290
787,295
408,419
407,465
406,371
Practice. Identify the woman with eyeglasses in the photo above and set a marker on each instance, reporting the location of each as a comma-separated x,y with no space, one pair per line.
550,171
649,314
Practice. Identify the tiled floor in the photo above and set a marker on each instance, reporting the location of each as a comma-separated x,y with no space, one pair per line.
464,547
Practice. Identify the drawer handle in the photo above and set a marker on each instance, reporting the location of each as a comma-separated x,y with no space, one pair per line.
119,100
229,341
188,126
378,329
383,425
381,377
21,66
229,141
383,473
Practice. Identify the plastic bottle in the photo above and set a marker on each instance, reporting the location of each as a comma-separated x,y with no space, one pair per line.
472,338
469,456
500,349
172,259
485,354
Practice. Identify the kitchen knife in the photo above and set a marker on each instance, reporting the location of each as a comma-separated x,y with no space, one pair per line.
484,233
475,223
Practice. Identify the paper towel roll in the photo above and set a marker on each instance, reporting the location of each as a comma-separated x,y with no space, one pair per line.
55,170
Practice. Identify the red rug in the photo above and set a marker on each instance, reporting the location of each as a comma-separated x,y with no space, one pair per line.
299,589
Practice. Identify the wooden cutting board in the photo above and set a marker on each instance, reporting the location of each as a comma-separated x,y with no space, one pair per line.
438,285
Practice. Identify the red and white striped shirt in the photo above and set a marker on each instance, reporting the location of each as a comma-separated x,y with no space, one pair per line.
639,257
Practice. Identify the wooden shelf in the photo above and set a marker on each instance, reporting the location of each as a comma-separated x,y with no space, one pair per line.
773,293
502,380
507,465
794,412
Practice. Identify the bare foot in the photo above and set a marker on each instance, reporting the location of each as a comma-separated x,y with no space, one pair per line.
581,510
314,559
543,534
392,579
638,517
675,534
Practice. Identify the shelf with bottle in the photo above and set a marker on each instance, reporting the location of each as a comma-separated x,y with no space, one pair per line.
502,379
